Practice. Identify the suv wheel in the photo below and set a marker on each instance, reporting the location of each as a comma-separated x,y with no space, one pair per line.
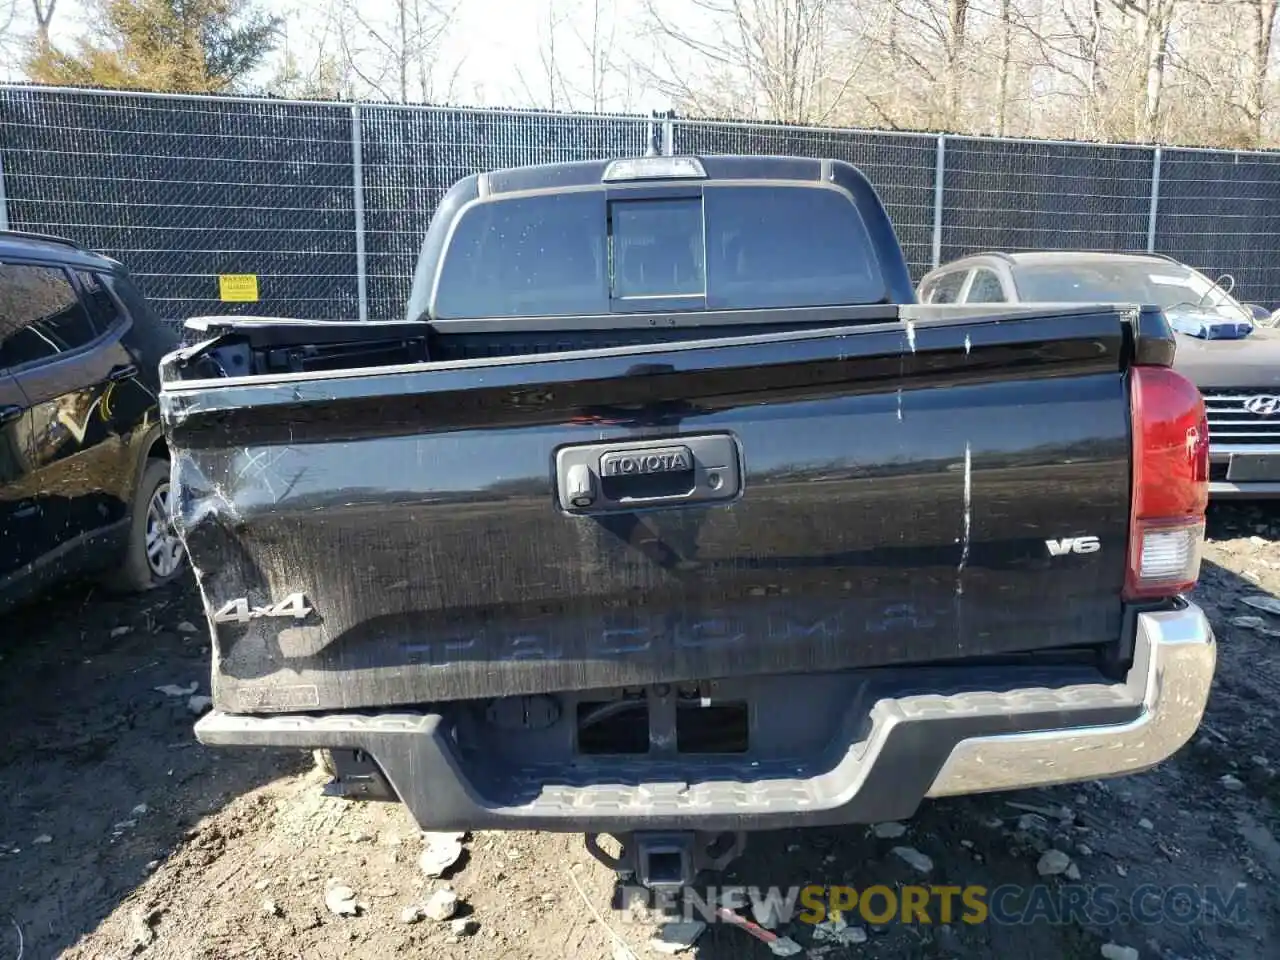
155,555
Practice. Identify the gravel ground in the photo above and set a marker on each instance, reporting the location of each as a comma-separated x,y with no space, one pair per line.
120,836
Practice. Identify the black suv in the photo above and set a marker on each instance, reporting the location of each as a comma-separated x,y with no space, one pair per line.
84,471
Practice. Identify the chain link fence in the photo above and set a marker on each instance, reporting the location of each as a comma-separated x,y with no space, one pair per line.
902,166
411,156
1017,195
326,204
1220,211
181,190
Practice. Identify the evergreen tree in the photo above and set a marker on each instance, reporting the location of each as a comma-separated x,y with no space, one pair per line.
186,46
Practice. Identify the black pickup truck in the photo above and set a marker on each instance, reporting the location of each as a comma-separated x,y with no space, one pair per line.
667,514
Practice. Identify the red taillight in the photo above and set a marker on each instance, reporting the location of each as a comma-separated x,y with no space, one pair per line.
1170,483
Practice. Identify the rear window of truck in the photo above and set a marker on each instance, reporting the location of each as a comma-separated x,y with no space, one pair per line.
724,247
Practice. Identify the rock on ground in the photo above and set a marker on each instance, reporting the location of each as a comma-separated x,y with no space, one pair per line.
441,905
673,938
463,927
837,930
173,690
440,852
341,900
914,858
414,913
889,831
1052,863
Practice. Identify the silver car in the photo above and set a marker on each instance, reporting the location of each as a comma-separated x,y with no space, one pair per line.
1230,349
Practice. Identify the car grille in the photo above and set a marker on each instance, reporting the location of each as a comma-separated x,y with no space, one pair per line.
1231,423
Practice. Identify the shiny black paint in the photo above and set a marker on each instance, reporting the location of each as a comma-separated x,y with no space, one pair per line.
900,482
17,516
71,459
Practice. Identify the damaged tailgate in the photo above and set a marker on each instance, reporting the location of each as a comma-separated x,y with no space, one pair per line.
852,496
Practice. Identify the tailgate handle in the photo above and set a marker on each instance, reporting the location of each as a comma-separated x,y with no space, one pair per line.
625,475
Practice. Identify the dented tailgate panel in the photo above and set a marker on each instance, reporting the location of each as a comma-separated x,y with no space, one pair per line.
395,537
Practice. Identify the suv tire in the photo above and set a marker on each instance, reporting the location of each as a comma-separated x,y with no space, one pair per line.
154,556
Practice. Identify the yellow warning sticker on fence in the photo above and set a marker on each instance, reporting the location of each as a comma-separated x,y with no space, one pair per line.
238,287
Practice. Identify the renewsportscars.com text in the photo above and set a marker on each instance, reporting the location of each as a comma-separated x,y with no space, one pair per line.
936,903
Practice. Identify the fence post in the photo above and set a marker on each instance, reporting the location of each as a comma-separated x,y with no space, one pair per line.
669,133
4,197
357,184
939,175
1155,201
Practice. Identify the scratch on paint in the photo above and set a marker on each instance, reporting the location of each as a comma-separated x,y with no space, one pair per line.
264,471
899,403
251,459
911,335
968,519
967,345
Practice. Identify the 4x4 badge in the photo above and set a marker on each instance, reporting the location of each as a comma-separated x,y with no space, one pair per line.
239,611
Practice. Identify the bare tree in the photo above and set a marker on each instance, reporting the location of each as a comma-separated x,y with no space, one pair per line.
1188,71
1093,53
555,93
8,13
1004,67
932,36
1197,71
761,57
394,55
8,36
1157,23
43,10
1153,22
598,45
954,42
1263,15
310,65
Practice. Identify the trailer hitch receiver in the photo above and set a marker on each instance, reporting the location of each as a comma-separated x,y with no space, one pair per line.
668,860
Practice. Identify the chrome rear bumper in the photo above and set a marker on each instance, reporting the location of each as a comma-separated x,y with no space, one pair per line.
1174,659
897,752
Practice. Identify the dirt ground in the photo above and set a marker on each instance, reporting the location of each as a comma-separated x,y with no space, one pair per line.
120,836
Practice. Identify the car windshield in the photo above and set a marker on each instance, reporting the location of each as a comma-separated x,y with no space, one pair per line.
1170,286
